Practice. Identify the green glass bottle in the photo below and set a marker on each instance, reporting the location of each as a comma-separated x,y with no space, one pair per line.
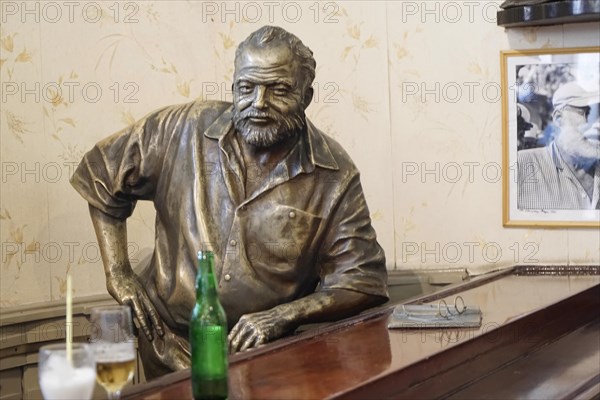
208,335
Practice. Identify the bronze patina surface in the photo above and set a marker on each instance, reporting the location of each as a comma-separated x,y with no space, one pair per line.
279,203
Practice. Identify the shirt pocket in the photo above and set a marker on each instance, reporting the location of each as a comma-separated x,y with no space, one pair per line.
279,240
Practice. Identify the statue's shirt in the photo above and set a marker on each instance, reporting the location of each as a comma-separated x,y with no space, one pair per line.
306,228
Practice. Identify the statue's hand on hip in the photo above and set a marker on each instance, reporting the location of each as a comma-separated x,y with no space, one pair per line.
127,289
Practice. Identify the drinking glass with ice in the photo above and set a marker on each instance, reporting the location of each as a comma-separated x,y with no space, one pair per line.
64,379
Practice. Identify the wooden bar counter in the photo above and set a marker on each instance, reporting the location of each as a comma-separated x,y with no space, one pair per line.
539,339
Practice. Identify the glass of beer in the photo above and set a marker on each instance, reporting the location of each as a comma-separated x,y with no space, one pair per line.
64,378
113,347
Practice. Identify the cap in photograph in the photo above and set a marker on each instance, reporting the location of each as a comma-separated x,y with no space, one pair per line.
575,95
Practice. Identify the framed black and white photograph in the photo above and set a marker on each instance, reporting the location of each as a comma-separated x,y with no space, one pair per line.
551,137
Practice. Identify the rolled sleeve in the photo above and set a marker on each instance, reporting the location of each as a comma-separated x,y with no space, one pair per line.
124,167
352,258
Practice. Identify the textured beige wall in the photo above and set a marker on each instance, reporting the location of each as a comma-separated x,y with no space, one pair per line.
73,73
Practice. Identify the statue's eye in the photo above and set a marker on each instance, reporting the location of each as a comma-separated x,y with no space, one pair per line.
245,89
280,91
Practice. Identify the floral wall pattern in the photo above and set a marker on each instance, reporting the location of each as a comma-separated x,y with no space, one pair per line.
408,88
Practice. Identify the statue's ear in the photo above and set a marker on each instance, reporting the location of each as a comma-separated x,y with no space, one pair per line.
308,96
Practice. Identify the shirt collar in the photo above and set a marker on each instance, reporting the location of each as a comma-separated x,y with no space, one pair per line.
221,125
318,149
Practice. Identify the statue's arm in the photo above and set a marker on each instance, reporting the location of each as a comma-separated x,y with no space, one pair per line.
122,283
352,271
326,305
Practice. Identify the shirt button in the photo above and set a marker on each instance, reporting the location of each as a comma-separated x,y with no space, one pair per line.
227,277
292,215
233,243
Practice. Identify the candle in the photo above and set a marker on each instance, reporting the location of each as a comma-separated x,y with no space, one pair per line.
69,327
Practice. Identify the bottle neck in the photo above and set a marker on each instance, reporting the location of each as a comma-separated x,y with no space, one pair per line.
206,283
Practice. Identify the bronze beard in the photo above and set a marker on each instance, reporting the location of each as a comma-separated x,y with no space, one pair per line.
280,128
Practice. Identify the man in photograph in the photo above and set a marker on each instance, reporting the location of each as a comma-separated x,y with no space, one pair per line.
278,201
565,175
528,133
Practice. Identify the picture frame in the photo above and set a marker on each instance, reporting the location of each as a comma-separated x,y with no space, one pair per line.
546,92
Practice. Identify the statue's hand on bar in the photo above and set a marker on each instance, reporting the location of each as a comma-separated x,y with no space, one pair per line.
253,330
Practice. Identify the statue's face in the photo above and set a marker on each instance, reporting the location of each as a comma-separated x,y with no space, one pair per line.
268,95
579,135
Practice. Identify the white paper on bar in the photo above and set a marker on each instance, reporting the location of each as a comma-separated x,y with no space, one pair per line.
415,316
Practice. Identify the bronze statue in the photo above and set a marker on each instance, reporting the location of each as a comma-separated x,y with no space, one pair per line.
278,201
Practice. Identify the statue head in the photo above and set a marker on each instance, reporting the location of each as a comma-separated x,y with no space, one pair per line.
272,82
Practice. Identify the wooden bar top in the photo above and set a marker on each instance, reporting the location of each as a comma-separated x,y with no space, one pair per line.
559,368
362,358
